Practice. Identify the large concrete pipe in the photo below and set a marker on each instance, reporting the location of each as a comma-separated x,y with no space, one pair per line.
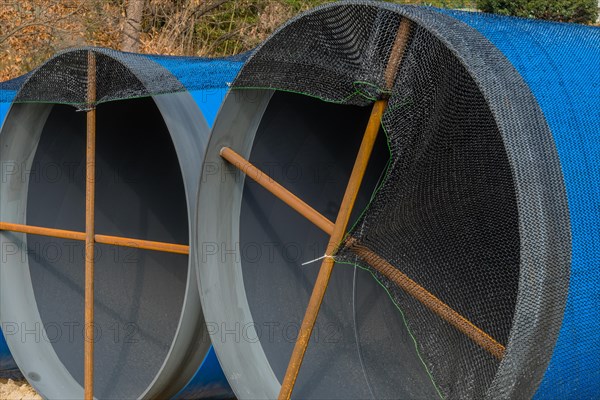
472,271
151,339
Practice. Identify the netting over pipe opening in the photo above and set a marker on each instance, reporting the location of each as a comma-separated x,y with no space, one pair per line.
64,78
487,204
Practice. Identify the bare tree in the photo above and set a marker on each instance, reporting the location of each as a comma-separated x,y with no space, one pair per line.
133,26
178,23
33,30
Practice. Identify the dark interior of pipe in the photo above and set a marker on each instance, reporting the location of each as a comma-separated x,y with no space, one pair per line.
361,347
139,194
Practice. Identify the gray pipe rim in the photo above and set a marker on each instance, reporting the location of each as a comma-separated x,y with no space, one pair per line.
246,367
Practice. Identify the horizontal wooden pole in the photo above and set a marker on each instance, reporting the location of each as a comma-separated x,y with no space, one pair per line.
143,244
36,230
276,189
421,294
102,239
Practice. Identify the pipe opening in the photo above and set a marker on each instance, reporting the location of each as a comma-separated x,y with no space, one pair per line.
139,294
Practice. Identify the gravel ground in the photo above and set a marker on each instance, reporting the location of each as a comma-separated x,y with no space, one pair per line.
17,390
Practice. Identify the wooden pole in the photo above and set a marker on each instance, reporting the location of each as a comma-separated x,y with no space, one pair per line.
90,199
428,299
36,230
397,52
102,239
316,298
275,188
418,292
143,244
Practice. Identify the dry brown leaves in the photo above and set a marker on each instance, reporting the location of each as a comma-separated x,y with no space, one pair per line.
17,390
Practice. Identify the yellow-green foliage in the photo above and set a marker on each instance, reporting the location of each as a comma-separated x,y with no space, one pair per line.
581,11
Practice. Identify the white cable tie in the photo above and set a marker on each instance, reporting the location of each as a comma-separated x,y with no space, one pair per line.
317,259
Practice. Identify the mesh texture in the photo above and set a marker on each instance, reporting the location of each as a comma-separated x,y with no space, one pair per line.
490,201
560,64
475,203
64,78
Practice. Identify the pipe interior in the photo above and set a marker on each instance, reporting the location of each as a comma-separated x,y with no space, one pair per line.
360,347
139,194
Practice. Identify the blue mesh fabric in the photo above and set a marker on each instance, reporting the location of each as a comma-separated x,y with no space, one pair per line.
206,79
561,65
9,95
209,381
6,361
8,90
197,73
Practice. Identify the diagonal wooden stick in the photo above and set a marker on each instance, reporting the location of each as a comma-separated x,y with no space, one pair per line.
276,189
427,298
378,263
339,229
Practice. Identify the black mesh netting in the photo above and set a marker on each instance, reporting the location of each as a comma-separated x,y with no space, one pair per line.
448,213
64,78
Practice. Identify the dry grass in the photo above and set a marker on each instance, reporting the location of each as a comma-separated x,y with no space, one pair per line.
17,390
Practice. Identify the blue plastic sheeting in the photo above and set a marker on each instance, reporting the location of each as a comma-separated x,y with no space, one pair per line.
561,65
6,361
